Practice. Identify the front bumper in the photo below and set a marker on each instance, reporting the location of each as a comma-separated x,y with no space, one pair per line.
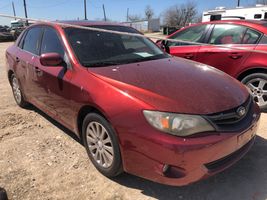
179,161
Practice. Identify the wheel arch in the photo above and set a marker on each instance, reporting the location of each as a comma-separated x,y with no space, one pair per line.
251,71
9,74
86,109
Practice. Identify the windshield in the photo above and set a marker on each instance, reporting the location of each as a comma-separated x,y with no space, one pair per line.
96,49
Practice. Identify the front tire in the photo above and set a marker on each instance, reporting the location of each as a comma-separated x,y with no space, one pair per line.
257,83
102,145
17,93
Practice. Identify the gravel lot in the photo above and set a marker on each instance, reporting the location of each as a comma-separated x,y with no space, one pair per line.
39,159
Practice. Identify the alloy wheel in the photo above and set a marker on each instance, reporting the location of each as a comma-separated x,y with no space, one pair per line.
99,144
16,90
258,88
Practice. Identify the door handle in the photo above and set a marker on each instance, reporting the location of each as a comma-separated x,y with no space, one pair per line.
235,56
189,56
17,59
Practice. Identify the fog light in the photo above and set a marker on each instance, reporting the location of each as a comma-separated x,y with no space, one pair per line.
165,168
172,171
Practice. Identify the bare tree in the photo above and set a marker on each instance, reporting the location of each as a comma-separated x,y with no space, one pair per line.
264,2
133,18
149,12
180,15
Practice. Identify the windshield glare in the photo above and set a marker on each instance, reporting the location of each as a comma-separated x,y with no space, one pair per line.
96,49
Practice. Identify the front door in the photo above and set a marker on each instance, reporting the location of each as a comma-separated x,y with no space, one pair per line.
54,82
187,47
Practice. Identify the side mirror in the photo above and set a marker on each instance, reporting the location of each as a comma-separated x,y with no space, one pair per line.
51,59
161,44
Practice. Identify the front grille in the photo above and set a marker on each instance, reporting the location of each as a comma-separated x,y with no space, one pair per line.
230,120
220,164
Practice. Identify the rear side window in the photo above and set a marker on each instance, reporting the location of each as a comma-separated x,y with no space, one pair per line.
251,37
31,41
263,40
257,16
215,17
51,42
227,34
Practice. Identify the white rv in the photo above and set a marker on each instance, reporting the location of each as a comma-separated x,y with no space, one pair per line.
259,12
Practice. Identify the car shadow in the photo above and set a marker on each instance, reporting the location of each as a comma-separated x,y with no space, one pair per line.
55,123
246,180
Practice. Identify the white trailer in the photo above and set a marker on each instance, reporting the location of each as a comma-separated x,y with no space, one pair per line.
259,12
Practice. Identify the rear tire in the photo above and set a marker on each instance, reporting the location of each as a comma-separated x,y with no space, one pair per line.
17,93
102,145
257,84
3,194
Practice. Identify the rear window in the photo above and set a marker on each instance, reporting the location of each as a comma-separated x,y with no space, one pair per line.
251,37
263,40
31,41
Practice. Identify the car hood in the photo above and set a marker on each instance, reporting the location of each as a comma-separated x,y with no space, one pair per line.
176,85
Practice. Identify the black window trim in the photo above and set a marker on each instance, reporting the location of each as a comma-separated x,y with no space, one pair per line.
21,38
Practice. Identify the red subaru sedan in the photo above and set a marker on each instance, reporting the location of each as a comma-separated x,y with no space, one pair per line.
135,108
248,67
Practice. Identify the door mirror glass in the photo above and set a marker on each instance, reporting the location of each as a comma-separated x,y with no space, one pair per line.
51,59
161,44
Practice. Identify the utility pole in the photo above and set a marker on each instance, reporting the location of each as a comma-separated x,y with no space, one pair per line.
14,9
104,11
238,3
127,14
25,10
85,10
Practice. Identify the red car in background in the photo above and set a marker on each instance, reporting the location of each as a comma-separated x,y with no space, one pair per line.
134,107
248,67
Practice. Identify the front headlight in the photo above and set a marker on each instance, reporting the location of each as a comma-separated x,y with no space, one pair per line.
178,124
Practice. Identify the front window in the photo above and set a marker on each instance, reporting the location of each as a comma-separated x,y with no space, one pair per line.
96,49
191,34
51,42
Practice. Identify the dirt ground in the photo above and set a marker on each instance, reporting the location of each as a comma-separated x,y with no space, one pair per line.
39,159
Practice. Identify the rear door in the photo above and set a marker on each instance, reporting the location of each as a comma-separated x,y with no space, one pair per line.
26,57
186,49
230,45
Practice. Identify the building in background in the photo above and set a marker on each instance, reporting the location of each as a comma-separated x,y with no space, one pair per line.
152,25
258,12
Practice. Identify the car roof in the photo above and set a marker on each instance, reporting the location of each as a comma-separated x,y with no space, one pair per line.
260,25
88,23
